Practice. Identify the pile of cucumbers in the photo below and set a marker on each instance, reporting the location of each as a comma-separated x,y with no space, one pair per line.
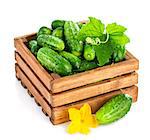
59,51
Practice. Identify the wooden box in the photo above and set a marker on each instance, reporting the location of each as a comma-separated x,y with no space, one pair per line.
56,94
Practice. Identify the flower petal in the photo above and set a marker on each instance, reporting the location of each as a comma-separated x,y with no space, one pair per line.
74,114
91,121
84,129
73,128
85,111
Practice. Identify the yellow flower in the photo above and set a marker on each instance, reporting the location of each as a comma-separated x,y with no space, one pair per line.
81,120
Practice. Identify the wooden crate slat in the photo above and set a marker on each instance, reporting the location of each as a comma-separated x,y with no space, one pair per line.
33,91
94,89
33,63
60,114
94,75
79,93
33,78
26,38
58,84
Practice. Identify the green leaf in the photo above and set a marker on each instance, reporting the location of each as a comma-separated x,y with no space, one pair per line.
114,29
103,53
119,39
94,28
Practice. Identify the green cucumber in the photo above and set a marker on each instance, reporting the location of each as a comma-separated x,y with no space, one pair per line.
119,53
80,24
58,32
44,30
86,65
57,23
34,46
71,30
89,52
114,109
74,60
51,41
54,62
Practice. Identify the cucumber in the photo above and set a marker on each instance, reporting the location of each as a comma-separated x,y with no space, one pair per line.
74,60
119,53
71,30
89,52
58,32
114,109
80,24
51,41
86,65
57,23
44,30
34,46
54,62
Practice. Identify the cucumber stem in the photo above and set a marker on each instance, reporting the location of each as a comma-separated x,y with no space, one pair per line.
103,42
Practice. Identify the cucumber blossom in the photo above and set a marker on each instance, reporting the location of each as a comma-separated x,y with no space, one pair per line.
114,109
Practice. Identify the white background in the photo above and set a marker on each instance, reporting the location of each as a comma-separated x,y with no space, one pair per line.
20,118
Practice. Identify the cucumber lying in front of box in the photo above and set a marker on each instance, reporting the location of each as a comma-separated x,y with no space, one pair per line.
114,109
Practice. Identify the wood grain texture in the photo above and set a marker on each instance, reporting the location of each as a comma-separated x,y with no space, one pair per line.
79,93
95,89
35,80
60,114
38,97
92,76
29,58
56,84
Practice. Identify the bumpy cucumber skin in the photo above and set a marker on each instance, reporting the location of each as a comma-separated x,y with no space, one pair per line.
74,60
89,52
119,53
44,30
57,23
51,41
114,109
34,46
58,32
54,62
86,65
71,30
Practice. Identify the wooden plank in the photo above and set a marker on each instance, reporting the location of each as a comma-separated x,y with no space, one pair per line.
26,38
94,89
33,63
55,76
33,91
92,76
60,114
81,92
58,84
35,80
